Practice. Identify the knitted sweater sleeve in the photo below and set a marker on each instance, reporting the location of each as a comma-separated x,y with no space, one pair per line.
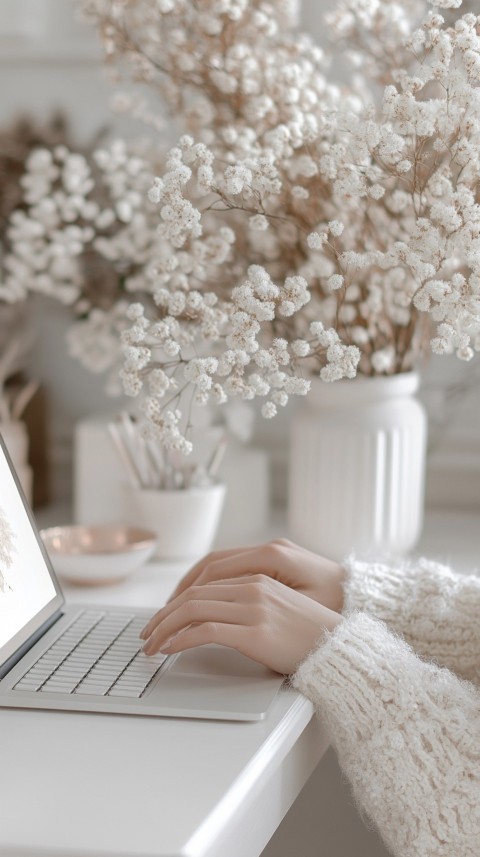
434,609
407,735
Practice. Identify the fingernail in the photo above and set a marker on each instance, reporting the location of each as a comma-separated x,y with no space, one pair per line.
143,633
148,647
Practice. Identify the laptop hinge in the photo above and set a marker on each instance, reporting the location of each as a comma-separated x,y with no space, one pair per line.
28,644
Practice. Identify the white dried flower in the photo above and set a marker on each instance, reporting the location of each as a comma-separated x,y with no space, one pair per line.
294,216
336,228
335,282
269,410
259,222
316,240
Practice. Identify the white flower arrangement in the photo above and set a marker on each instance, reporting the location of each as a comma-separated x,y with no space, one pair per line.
86,236
299,228
18,139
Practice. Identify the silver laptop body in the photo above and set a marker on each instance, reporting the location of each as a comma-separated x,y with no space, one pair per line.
76,658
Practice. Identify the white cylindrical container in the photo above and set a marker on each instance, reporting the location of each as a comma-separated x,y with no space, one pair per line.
357,467
184,521
99,478
15,438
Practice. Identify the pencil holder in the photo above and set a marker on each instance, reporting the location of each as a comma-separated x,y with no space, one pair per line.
185,521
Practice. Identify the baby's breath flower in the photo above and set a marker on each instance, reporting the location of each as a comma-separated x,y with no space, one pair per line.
316,240
300,348
335,282
269,410
258,222
336,228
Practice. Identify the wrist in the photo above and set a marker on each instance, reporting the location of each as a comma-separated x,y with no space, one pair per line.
338,594
334,620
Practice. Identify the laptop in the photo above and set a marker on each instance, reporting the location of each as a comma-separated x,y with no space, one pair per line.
74,658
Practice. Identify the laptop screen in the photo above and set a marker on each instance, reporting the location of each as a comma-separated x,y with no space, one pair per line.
29,592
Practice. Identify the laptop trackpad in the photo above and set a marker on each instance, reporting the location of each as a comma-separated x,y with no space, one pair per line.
217,683
217,661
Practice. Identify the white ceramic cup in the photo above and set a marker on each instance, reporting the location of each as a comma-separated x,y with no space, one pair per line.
185,522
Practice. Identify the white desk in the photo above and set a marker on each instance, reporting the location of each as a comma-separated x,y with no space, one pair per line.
76,785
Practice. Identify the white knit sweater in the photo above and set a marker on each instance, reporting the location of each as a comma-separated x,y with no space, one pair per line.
390,684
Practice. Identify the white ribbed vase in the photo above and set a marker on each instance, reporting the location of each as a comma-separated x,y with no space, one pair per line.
357,467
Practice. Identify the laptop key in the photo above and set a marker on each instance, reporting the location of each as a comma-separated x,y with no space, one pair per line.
53,687
27,685
93,690
130,692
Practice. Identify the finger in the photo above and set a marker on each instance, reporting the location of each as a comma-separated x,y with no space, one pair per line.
214,592
253,561
194,613
223,634
199,567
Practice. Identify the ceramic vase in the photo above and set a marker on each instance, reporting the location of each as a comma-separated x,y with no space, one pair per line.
185,522
357,467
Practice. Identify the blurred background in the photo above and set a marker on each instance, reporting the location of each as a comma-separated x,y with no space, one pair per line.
50,66
50,63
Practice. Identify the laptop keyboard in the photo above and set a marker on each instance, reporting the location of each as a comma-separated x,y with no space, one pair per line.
98,654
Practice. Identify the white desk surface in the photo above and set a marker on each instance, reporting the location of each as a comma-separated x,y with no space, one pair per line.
86,785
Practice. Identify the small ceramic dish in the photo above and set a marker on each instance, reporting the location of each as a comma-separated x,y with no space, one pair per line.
96,556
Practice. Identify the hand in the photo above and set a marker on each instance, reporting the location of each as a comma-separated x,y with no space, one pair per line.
256,615
300,569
